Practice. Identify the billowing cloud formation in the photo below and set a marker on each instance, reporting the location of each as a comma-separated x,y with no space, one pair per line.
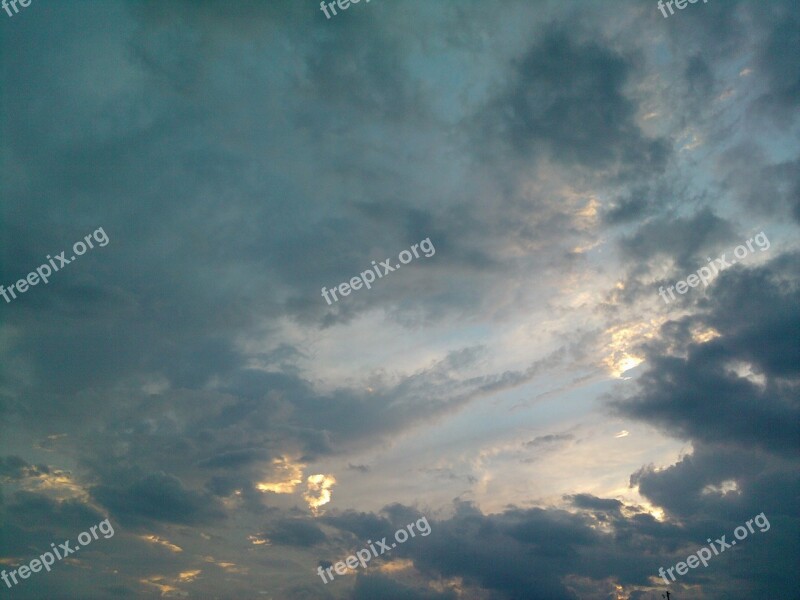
567,99
160,497
566,159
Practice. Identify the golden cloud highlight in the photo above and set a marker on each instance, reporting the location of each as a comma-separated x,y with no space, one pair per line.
154,539
318,491
290,475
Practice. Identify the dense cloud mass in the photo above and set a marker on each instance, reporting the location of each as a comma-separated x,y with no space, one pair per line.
565,429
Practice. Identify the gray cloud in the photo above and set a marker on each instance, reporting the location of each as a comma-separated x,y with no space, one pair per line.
567,99
159,497
676,389
295,533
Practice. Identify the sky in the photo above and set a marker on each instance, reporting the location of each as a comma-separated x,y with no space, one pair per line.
534,385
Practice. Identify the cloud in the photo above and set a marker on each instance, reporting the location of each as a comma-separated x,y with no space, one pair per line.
318,491
588,501
157,497
676,389
362,524
239,159
295,533
234,458
14,468
778,61
359,468
682,238
30,521
566,98
544,440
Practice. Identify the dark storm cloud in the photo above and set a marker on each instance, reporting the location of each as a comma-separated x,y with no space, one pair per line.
699,76
744,431
588,501
567,98
684,243
234,458
30,521
295,533
158,497
778,58
677,390
764,483
521,552
14,468
362,525
552,553
30,509
692,489
757,183
678,400
682,238
768,295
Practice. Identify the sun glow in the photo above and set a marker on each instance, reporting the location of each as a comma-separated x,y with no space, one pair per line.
621,357
290,476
